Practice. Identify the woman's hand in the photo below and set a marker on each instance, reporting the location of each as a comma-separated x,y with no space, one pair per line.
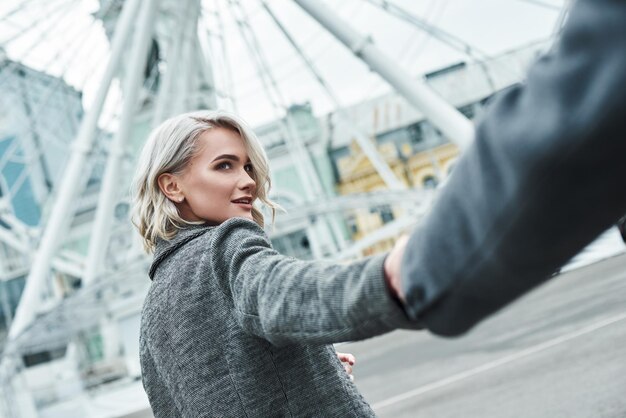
392,267
348,361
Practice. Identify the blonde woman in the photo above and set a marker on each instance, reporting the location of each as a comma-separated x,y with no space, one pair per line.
230,327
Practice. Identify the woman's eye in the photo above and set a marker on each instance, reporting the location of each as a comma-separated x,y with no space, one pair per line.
249,168
224,166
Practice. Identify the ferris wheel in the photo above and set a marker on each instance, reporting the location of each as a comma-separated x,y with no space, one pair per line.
82,82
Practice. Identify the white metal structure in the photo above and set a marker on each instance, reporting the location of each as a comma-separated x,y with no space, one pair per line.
167,57
445,117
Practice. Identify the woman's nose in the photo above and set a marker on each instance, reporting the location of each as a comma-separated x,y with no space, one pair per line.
246,181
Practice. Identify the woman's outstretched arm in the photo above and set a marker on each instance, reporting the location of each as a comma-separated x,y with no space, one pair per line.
286,300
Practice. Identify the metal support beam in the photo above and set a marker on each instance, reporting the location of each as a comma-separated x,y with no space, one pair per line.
364,142
447,38
166,88
109,193
406,198
206,69
305,166
181,102
74,174
443,115
390,230
227,72
35,24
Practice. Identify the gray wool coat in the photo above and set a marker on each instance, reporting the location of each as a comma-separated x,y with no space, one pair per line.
231,328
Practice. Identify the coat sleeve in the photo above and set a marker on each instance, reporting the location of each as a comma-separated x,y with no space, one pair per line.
543,178
286,300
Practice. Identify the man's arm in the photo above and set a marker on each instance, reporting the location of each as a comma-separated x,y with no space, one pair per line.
542,179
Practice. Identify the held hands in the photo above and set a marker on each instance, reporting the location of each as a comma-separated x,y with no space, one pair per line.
392,267
347,360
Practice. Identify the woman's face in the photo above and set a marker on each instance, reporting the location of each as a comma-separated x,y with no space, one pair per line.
217,184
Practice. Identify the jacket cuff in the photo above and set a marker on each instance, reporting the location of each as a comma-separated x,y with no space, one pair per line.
383,305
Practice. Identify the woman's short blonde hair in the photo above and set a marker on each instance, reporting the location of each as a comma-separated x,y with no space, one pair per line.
169,149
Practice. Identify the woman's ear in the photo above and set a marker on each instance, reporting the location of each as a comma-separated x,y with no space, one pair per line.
168,183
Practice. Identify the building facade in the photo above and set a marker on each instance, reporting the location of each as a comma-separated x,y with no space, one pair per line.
417,153
39,117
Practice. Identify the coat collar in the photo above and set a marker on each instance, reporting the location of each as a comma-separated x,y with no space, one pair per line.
165,248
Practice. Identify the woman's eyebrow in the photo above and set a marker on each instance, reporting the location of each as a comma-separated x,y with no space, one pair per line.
226,157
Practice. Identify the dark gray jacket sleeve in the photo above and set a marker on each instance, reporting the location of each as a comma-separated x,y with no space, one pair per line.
544,177
285,300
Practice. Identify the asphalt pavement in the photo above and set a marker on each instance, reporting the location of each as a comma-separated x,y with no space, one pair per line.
559,351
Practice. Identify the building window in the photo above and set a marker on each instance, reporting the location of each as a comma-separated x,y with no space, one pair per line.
34,359
386,214
295,244
415,133
336,156
352,225
121,211
468,111
430,182
95,347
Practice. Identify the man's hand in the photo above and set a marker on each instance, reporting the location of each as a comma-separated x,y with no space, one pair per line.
392,267
348,361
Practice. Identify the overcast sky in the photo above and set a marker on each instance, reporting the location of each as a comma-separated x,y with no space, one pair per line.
491,26
77,48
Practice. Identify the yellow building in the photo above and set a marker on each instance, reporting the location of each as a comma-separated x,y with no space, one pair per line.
425,167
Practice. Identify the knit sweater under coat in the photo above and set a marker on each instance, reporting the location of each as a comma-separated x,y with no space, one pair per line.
231,328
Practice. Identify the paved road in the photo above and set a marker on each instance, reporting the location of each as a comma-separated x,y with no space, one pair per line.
558,352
